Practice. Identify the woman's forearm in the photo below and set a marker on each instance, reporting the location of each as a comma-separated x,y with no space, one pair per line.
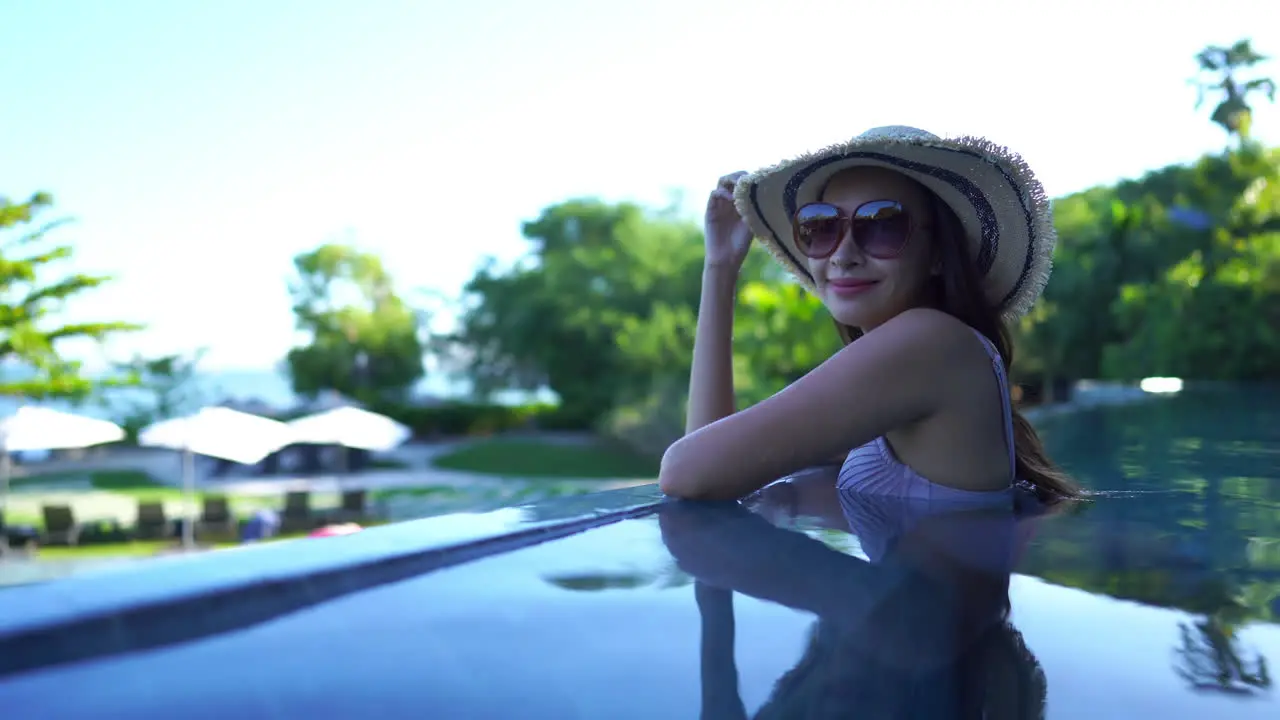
711,394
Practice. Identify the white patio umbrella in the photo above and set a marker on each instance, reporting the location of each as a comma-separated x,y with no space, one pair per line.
37,428
350,427
217,432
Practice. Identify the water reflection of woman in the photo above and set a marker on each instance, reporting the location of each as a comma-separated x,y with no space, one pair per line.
921,630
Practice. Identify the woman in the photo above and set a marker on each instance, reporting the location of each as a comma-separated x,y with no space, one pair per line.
921,630
921,249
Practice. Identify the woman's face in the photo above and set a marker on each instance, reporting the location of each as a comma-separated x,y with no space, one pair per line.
865,291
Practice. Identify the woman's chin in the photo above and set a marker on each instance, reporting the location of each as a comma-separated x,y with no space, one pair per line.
850,311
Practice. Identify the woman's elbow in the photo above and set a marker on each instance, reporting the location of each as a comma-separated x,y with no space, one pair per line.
669,486
684,489
675,477
683,476
669,480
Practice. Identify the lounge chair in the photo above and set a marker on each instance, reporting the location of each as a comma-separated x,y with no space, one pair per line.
216,519
60,526
152,523
354,506
297,516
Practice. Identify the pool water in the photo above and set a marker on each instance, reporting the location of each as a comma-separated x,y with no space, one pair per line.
1185,516
1157,598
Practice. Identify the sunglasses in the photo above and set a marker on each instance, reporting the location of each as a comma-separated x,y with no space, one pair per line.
880,229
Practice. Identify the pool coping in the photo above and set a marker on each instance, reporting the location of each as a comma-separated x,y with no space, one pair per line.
186,596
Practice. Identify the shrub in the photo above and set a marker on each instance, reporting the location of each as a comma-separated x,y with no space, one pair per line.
468,418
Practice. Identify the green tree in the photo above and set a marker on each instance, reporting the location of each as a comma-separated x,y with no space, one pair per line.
168,384
603,311
1214,311
781,332
365,341
1064,334
1219,73
577,313
30,332
1171,273
170,380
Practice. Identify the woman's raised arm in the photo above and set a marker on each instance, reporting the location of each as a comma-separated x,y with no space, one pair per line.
711,394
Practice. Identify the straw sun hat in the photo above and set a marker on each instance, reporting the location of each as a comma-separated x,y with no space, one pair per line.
1006,216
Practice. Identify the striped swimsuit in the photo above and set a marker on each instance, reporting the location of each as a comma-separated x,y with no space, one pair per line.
874,469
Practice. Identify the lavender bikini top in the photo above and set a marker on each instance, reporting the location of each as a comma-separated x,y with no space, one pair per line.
874,469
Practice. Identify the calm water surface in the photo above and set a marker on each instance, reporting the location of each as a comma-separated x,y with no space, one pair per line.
1159,598
1187,520
1188,507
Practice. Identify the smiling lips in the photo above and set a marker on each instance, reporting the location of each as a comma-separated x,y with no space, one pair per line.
846,287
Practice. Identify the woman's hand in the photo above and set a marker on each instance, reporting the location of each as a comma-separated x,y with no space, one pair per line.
727,236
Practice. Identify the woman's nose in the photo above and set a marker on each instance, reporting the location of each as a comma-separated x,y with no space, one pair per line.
847,252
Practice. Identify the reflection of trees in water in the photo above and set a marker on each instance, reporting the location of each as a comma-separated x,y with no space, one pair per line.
1210,659
1210,656
667,577
1190,520
1192,493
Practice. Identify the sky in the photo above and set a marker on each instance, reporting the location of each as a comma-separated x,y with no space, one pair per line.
200,146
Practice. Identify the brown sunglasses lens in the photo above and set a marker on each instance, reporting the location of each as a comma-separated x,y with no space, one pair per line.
819,227
880,229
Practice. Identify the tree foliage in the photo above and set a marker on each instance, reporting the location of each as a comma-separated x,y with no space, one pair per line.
603,311
603,298
161,388
1170,274
365,342
169,381
31,302
1219,74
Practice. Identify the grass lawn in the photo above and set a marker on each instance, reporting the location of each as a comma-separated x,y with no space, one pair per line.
108,493
529,458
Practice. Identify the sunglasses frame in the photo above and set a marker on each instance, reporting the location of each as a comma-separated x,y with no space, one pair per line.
849,226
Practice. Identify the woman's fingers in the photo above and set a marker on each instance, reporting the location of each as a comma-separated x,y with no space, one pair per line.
731,180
